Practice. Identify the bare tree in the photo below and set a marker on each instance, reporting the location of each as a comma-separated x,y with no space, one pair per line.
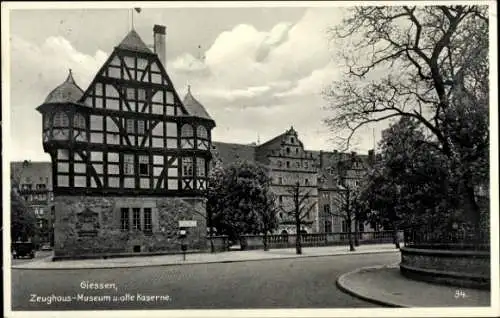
343,200
429,63
302,206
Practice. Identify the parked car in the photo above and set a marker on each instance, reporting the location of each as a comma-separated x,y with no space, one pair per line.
45,247
23,249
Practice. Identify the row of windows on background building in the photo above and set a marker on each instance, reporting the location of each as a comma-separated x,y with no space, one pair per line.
283,215
292,181
329,226
29,186
136,219
38,197
298,164
39,211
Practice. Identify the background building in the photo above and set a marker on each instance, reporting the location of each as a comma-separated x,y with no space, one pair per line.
332,184
35,187
288,162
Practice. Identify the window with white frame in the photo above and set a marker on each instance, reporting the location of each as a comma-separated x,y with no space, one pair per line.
200,167
202,132
187,167
136,219
130,126
128,164
148,220
61,119
141,127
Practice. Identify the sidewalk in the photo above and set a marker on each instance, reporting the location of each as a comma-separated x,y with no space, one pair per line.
384,285
204,258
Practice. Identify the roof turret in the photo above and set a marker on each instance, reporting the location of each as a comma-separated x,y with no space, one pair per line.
67,92
194,107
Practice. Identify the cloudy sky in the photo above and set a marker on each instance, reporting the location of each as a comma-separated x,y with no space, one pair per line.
258,72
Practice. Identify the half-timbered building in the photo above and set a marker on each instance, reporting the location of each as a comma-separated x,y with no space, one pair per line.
129,156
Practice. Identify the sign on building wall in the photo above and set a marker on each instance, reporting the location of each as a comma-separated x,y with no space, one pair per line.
187,223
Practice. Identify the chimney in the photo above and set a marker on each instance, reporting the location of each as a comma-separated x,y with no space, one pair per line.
159,38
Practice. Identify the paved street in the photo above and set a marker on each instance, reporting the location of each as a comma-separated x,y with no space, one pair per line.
286,283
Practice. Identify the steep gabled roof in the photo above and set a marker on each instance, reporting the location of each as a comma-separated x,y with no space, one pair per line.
194,107
67,92
276,140
36,171
133,42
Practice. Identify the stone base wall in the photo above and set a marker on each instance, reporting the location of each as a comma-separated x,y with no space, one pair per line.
451,267
92,226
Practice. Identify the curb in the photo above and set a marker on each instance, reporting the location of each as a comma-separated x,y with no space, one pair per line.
341,284
20,266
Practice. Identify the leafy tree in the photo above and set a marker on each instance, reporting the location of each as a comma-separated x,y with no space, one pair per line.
428,63
215,197
23,220
302,206
237,197
268,220
408,185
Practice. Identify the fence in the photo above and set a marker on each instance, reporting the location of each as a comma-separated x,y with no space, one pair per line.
316,239
454,239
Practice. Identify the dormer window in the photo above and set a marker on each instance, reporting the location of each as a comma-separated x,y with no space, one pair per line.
292,140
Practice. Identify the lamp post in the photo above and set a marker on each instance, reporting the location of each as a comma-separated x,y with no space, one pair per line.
395,238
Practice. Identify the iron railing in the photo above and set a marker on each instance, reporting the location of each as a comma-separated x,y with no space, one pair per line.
318,239
446,239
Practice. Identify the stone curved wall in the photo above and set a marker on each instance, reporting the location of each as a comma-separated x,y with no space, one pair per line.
459,268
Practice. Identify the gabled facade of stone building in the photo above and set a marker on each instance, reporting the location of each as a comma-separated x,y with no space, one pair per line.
316,172
34,185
